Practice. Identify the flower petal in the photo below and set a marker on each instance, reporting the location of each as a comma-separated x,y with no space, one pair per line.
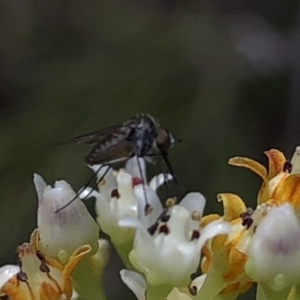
159,180
135,282
7,272
276,162
295,161
288,190
197,283
250,164
132,168
274,251
40,185
233,206
213,229
193,202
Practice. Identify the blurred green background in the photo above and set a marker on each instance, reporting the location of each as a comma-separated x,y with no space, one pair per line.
222,75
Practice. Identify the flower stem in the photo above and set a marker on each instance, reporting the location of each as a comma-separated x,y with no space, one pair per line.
87,285
159,292
295,293
214,282
230,296
123,252
260,295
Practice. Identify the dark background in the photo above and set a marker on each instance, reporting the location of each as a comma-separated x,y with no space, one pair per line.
223,75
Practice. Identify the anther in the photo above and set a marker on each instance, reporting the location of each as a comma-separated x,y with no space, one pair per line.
193,290
115,194
44,268
164,229
247,213
22,276
247,222
171,202
148,209
40,256
287,167
195,235
196,216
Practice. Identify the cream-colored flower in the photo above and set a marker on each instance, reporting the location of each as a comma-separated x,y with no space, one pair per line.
61,233
233,262
39,277
175,237
274,250
122,194
281,182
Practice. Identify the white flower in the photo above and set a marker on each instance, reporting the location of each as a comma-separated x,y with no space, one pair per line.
169,251
61,233
122,194
274,250
39,277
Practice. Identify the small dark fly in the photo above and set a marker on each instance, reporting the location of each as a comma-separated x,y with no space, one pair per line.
140,136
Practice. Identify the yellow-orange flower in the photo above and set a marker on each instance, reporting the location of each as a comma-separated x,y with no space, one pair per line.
281,182
234,256
41,277
229,247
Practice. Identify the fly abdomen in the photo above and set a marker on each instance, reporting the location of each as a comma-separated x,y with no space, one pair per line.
111,149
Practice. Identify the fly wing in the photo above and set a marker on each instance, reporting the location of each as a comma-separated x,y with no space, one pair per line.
112,148
93,137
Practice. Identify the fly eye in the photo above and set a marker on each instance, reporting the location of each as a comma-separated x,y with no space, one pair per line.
163,139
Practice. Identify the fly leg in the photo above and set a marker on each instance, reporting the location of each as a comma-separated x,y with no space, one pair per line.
85,186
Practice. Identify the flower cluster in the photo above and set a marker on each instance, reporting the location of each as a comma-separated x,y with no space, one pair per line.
171,250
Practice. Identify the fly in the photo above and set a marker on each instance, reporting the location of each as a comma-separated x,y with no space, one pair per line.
140,136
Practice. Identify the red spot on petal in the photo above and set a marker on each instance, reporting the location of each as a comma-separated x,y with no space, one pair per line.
136,181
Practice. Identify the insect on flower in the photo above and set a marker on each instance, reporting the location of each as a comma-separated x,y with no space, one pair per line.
140,136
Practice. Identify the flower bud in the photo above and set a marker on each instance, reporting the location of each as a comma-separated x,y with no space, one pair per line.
62,232
274,250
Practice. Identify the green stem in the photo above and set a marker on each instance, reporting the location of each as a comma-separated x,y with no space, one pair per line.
123,252
295,293
230,296
158,292
265,293
214,282
87,285
260,295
